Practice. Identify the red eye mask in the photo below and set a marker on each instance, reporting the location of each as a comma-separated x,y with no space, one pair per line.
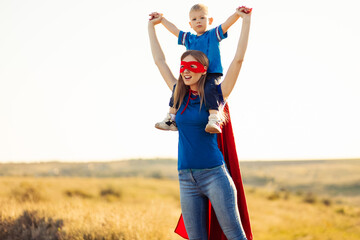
192,66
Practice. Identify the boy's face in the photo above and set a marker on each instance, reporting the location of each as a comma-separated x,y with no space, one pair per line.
199,21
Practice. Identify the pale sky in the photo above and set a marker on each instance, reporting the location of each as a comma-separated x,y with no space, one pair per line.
78,83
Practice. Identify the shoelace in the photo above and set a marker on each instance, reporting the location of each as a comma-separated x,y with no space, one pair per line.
187,103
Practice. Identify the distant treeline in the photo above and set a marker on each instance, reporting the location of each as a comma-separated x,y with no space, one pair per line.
329,177
154,168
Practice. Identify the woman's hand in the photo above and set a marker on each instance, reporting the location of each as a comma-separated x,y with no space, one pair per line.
244,12
155,18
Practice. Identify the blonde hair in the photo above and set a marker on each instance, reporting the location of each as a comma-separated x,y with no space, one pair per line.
181,89
200,7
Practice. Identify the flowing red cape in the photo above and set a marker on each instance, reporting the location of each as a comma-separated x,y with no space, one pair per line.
226,144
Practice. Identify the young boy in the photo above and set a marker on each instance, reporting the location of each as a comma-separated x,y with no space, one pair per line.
206,41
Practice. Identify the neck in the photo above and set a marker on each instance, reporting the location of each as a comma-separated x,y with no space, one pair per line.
194,88
200,33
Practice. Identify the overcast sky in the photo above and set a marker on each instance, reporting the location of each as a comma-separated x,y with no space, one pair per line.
78,83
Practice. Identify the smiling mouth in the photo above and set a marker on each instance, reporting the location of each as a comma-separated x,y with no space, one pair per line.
187,77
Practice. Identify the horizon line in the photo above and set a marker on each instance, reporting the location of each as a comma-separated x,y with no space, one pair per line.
172,159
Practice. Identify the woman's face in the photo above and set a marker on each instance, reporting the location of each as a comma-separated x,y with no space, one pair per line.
191,78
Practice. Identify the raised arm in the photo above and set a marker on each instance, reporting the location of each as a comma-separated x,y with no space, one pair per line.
234,17
233,72
158,54
170,26
229,22
167,24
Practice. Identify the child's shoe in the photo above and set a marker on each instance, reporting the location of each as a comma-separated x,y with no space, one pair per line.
213,125
167,124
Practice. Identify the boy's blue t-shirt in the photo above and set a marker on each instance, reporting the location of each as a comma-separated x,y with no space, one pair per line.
197,149
208,43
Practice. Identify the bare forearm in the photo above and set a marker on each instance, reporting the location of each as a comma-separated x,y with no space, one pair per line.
235,66
170,26
157,53
243,41
229,22
159,57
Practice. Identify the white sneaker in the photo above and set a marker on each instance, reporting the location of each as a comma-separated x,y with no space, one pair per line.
167,124
213,125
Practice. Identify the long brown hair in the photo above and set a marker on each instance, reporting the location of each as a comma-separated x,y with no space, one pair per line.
181,89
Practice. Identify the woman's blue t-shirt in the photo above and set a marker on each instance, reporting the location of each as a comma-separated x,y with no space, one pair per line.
197,149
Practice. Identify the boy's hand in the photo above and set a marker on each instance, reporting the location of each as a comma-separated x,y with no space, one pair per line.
243,11
154,15
155,18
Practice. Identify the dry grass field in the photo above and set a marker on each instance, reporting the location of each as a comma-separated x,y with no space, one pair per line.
147,208
91,208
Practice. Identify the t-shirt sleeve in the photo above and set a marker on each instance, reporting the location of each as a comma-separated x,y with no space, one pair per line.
219,34
183,38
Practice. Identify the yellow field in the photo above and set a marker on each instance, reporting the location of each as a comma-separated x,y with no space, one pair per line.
148,209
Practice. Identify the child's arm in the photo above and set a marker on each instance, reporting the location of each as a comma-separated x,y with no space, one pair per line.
167,24
170,26
158,54
233,72
230,21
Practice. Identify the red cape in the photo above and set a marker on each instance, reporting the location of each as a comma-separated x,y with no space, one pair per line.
227,146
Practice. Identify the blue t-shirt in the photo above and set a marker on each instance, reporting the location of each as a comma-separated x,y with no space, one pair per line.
197,149
208,43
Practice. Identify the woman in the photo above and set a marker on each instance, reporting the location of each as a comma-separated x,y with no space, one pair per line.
203,175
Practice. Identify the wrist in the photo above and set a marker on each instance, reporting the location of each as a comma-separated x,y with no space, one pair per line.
163,20
247,19
236,15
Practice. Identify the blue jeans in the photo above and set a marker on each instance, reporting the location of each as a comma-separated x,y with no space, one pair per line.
197,187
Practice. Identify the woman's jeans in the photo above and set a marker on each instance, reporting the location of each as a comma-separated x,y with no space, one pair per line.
197,187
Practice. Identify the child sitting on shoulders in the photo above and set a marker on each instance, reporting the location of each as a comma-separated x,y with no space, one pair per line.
208,42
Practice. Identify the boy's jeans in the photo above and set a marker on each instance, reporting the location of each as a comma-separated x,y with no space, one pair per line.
197,187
